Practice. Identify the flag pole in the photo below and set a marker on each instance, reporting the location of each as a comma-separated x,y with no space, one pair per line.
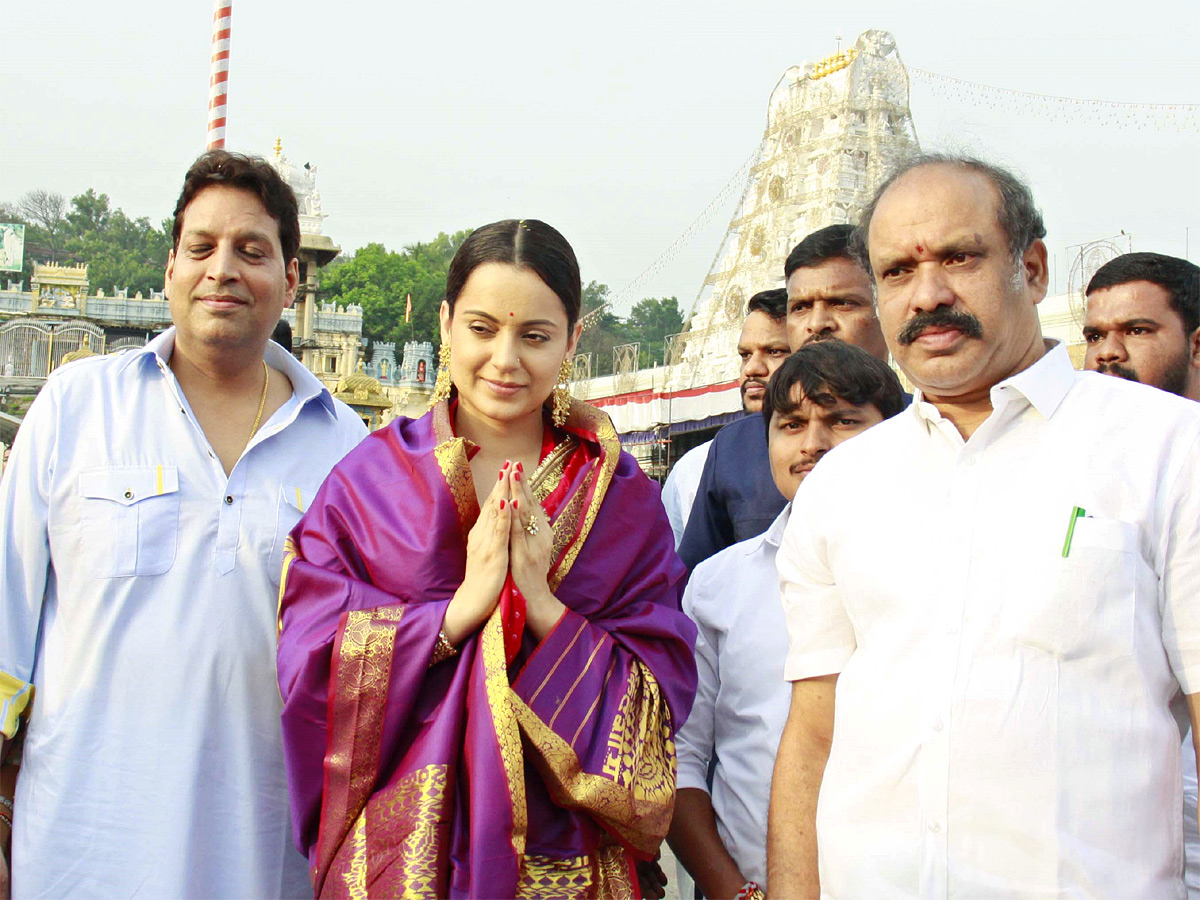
218,74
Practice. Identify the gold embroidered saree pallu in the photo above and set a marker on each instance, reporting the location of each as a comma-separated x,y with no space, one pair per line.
474,778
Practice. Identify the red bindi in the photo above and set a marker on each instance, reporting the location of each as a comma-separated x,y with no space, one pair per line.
512,314
920,249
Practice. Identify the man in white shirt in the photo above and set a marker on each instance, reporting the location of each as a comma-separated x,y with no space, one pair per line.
145,509
679,490
821,396
1000,585
1143,324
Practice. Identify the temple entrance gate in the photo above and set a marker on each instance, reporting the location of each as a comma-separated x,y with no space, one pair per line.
25,350
69,338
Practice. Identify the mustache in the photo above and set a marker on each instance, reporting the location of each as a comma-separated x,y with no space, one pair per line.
1119,370
750,381
820,336
942,317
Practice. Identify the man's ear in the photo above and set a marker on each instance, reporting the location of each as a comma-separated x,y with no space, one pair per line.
1036,268
293,282
1194,347
169,271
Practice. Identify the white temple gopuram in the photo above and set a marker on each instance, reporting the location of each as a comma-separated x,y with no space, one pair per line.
834,129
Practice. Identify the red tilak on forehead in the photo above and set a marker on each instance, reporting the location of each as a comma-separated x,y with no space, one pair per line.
920,249
512,314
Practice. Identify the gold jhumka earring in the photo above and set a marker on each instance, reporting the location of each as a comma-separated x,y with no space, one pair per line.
441,386
562,395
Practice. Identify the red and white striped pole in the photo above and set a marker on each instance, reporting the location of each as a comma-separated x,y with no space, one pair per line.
218,80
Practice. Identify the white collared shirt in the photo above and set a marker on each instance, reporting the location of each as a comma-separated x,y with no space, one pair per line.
140,588
1007,718
741,698
679,490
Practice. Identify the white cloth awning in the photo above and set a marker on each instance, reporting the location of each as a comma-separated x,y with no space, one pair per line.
644,410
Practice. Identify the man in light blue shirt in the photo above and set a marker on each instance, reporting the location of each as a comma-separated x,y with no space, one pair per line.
820,396
145,509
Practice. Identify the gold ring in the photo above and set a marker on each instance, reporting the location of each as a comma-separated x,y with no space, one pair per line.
531,527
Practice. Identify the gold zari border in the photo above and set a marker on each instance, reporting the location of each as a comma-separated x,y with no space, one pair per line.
546,878
452,459
604,876
508,732
589,419
406,821
635,794
364,665
550,469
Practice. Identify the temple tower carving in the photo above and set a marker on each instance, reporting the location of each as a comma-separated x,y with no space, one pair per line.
834,130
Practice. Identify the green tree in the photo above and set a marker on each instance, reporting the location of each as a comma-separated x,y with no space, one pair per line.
605,330
650,321
379,280
120,253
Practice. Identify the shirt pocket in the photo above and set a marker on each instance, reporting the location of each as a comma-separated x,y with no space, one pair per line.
129,519
1089,610
293,501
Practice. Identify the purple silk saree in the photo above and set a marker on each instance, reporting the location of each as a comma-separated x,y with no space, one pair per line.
470,778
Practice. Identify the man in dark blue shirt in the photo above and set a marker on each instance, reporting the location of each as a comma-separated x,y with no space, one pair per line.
828,297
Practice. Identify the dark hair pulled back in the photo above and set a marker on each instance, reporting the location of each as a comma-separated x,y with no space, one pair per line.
528,243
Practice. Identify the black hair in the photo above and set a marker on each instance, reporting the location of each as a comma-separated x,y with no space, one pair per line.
282,335
529,244
824,244
831,370
248,173
1178,277
772,302
1018,215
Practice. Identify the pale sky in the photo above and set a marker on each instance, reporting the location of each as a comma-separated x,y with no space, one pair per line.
617,122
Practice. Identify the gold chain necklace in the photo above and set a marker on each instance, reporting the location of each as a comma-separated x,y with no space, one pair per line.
262,402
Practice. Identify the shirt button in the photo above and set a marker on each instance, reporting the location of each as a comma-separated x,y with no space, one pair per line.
128,494
229,499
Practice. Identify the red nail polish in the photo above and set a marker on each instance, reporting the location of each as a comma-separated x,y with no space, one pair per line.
517,475
515,502
502,504
500,477
520,467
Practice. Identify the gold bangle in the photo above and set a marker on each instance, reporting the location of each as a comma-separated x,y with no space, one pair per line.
443,649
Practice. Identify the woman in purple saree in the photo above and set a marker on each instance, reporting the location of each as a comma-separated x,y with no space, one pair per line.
481,652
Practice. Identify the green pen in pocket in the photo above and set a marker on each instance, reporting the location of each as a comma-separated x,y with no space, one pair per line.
1077,513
